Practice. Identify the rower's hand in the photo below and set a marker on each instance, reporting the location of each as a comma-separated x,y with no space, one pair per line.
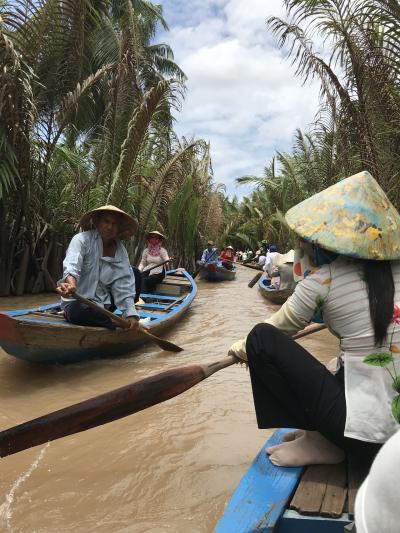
133,323
66,289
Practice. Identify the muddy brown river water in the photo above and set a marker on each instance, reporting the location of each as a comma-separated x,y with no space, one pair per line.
171,468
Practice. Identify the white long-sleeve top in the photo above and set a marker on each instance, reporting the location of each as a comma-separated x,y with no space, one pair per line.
270,262
148,261
340,294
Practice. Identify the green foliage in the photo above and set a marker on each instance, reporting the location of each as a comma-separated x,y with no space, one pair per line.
86,112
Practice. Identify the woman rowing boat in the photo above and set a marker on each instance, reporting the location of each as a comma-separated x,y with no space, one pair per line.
351,232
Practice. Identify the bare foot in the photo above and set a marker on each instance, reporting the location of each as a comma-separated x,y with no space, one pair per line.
312,448
293,435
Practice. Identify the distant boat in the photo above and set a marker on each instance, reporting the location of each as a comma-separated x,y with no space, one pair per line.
213,272
315,499
276,296
42,335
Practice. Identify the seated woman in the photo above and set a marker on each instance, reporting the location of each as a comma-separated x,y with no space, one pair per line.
97,266
153,255
355,287
227,257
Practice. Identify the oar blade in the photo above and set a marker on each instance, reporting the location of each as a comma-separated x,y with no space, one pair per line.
168,346
254,280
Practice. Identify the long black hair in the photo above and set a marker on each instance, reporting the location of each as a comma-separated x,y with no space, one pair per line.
380,286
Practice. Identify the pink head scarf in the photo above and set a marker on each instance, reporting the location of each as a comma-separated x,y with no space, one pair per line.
154,246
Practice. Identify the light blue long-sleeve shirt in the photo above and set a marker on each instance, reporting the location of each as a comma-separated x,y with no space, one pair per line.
210,257
98,278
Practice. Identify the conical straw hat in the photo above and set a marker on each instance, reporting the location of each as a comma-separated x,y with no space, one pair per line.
354,217
156,233
128,227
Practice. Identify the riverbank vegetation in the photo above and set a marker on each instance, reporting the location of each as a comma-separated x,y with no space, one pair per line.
351,47
87,103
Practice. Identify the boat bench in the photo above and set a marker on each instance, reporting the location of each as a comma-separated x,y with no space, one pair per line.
316,499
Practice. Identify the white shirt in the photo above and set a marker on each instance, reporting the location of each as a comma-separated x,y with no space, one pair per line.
148,261
261,260
270,262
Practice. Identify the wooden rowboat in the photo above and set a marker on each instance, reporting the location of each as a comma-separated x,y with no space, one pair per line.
217,273
42,335
315,499
275,296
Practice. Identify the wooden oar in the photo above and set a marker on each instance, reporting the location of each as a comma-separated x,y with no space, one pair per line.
254,280
114,404
158,265
165,345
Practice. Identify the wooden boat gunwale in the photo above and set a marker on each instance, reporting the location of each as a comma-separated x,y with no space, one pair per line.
278,296
33,338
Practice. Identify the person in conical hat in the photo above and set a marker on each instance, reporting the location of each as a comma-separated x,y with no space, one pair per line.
227,256
97,266
209,255
351,235
153,254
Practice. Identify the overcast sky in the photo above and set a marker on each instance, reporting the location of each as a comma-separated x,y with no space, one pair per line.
242,93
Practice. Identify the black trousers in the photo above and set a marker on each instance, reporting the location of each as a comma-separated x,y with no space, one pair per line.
81,314
293,389
149,282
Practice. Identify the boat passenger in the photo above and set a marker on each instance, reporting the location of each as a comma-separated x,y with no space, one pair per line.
152,255
271,260
97,266
355,286
282,275
261,259
210,255
227,256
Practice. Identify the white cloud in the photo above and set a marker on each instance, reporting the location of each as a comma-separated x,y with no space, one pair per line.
242,93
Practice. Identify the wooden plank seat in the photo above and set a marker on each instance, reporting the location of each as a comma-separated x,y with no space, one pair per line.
175,281
327,492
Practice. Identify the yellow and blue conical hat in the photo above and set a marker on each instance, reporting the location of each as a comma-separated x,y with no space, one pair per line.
354,217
